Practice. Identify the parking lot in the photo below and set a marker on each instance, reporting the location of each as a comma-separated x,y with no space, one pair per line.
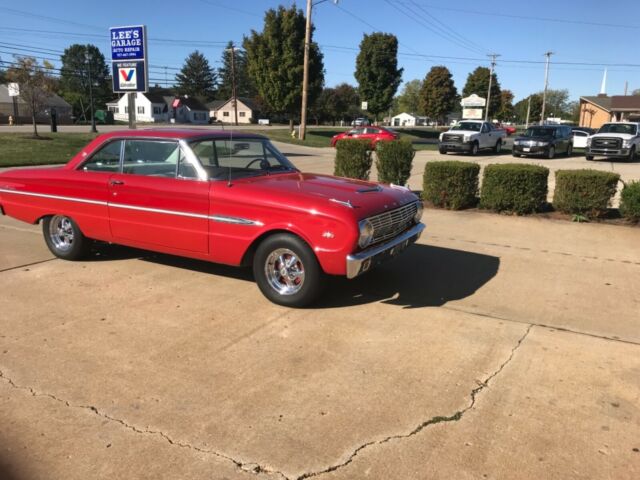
496,347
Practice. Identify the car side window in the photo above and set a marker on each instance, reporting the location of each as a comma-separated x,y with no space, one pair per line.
185,169
151,157
484,129
107,159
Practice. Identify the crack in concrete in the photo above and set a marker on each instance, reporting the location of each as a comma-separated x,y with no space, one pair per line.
255,468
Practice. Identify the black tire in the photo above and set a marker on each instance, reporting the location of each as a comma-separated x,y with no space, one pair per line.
589,157
632,154
64,238
293,292
474,149
551,153
569,150
517,155
442,151
498,147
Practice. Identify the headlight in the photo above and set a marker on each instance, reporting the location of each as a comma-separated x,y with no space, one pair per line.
626,143
588,141
467,138
366,233
540,144
517,142
418,216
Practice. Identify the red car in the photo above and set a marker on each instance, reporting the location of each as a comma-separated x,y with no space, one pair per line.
509,129
373,134
225,197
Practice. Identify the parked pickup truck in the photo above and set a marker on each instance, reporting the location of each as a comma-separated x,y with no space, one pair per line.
471,136
615,140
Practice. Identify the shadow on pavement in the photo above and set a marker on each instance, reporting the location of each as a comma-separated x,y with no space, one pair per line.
423,276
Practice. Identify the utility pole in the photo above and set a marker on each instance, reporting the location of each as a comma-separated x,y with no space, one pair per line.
493,64
93,117
528,112
234,97
305,73
546,84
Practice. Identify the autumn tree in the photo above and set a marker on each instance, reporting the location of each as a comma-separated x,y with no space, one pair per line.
77,60
439,94
377,71
520,109
197,78
506,111
478,83
36,84
275,62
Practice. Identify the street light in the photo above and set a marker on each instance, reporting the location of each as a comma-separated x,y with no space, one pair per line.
305,74
93,118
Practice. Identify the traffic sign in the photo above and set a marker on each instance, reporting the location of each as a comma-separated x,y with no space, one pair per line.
14,89
129,77
128,43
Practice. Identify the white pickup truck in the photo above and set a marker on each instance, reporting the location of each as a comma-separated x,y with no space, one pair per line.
615,140
471,136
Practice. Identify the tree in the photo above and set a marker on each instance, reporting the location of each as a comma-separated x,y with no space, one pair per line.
197,78
244,84
439,94
409,99
478,83
275,62
557,103
347,102
36,84
377,71
506,111
74,78
520,109
3,76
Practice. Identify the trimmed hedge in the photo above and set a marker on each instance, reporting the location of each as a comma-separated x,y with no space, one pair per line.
584,192
353,159
394,160
630,201
451,184
514,187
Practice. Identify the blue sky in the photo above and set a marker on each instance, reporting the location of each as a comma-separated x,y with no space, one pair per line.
586,31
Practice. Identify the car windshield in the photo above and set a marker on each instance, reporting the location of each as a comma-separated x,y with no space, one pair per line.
233,158
474,126
618,128
538,132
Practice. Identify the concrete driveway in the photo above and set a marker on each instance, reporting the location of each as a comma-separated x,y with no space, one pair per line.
498,347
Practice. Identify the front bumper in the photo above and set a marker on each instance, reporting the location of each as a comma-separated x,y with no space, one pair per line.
526,150
455,147
358,263
608,152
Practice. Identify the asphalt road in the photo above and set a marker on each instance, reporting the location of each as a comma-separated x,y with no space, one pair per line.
497,347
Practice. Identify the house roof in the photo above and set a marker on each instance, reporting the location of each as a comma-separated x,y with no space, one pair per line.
245,100
216,104
625,102
52,101
192,103
155,98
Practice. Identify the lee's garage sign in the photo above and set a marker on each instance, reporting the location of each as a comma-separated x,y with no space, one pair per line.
129,58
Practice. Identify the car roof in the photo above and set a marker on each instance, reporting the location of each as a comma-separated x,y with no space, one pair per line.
179,134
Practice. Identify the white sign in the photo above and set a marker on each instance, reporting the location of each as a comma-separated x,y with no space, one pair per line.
14,89
365,105
473,101
472,113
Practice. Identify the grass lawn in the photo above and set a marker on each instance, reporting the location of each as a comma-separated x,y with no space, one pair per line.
21,149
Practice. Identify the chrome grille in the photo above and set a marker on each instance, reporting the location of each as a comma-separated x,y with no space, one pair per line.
389,224
447,137
606,142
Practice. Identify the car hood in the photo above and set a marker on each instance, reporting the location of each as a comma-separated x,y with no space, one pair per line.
462,132
624,136
533,139
309,190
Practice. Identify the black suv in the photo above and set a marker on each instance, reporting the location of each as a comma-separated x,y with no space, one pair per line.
544,140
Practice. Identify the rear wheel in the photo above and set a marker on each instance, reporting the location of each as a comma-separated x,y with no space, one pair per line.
287,271
516,155
498,147
64,238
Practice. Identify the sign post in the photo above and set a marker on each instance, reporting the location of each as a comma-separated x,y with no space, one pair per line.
14,92
129,68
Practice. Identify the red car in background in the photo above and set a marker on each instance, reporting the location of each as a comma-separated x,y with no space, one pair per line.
509,129
373,134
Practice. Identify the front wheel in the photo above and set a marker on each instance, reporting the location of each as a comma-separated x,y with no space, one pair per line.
474,149
442,151
588,157
287,271
632,154
64,238
569,150
551,153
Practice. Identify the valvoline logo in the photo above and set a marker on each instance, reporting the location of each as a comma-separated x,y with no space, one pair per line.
128,78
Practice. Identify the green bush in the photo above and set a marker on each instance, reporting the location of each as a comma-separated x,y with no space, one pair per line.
630,201
584,192
394,161
451,184
515,187
353,159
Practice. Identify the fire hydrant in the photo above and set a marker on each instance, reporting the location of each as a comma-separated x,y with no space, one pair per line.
293,133
11,120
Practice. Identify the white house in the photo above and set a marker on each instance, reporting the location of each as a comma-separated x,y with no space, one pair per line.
408,120
223,111
153,108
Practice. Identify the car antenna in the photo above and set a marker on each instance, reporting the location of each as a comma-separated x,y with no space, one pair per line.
230,140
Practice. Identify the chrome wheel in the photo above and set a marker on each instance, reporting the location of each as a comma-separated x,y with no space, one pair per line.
61,233
284,271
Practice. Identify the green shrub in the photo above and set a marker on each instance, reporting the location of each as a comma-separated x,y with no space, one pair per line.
451,184
515,187
394,161
353,159
630,201
584,192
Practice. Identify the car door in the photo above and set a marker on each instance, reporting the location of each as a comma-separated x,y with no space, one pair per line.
485,136
157,198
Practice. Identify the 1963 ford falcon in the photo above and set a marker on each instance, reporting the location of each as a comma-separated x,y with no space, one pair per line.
224,197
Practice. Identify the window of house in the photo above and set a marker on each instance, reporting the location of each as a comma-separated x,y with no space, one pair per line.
242,114
157,110
225,114
141,110
113,109
107,159
126,109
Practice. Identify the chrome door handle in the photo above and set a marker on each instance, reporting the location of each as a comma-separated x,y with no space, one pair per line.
116,182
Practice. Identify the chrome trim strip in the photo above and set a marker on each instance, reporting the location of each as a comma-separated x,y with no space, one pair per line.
342,202
214,218
355,260
56,197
